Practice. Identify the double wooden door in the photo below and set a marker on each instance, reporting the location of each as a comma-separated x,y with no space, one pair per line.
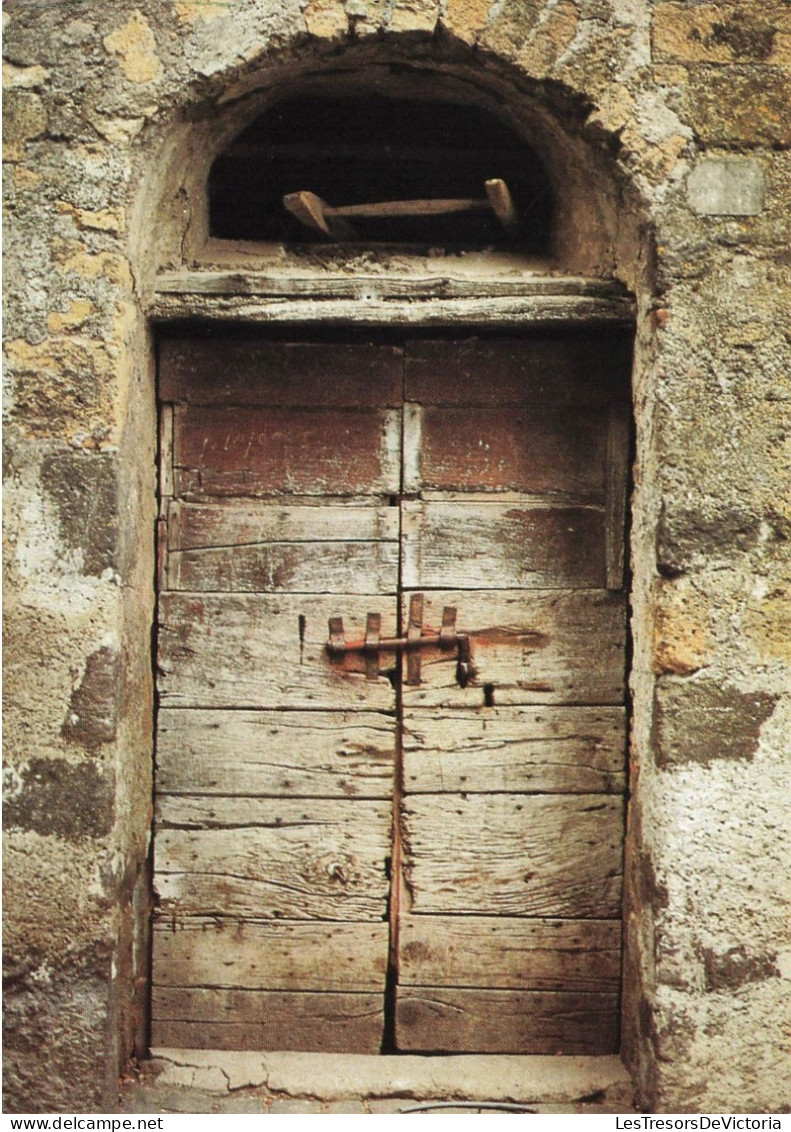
410,846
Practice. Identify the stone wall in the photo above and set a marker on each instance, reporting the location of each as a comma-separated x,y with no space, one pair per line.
680,108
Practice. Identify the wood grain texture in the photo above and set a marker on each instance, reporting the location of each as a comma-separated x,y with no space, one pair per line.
497,1021
576,750
508,953
514,855
232,451
278,567
531,646
270,753
246,650
232,369
534,449
239,523
519,371
268,858
501,546
270,955
267,1020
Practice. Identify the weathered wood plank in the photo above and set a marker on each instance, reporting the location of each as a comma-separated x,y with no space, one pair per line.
304,754
575,750
265,547
508,953
506,1021
230,451
272,955
514,855
198,526
267,1020
233,369
501,546
531,646
273,858
617,484
276,567
586,370
536,449
259,650
375,305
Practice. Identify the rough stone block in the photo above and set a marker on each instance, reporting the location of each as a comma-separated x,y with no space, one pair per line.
726,186
702,722
95,703
84,491
60,798
735,967
740,105
684,535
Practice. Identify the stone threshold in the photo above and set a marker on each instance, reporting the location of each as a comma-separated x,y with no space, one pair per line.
329,1077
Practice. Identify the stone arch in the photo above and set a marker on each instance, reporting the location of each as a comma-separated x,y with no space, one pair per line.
599,214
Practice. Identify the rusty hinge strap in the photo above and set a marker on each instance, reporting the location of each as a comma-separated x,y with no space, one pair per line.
413,636
373,631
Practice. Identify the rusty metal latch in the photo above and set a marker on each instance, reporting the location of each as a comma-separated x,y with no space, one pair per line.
447,639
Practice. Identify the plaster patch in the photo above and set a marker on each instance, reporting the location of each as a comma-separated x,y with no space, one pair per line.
726,186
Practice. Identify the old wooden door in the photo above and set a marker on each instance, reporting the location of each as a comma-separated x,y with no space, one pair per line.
355,851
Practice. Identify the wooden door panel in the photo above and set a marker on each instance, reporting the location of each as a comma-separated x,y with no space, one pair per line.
514,855
291,859
262,651
205,526
506,1021
208,1018
531,646
266,753
242,451
541,370
501,952
270,955
228,370
565,750
540,449
501,545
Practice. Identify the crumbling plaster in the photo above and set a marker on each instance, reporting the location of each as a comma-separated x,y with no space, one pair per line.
112,117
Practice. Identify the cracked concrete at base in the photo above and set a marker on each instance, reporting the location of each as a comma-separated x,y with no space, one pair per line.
337,1077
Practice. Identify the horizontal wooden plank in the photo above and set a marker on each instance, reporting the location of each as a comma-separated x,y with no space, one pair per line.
270,955
440,1020
260,753
528,647
239,523
378,304
476,546
260,650
514,855
226,451
588,369
535,449
508,953
286,567
214,280
273,858
233,369
267,1020
565,750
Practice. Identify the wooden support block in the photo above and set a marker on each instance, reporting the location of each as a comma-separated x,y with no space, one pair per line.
315,214
502,204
